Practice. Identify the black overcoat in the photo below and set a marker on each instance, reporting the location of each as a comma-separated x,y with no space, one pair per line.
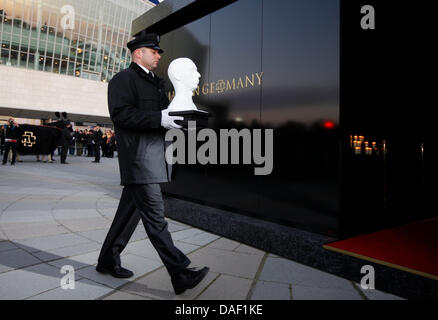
97,137
135,102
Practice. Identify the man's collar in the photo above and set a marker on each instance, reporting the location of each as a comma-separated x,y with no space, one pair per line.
141,72
144,69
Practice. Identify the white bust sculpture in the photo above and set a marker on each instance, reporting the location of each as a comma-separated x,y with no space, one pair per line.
184,76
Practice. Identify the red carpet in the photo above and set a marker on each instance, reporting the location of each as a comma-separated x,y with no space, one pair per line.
412,248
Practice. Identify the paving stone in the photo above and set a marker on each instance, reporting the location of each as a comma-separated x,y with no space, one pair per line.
46,256
77,262
23,283
87,212
51,242
68,207
174,227
26,216
108,213
227,287
186,248
18,231
139,265
287,271
143,248
7,245
200,239
243,248
373,294
120,295
185,234
107,202
157,285
227,262
105,279
136,264
317,293
179,223
84,290
139,234
224,244
7,200
264,290
85,224
32,204
16,258
95,235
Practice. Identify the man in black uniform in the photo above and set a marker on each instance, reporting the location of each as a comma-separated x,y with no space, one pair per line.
65,140
137,102
97,141
12,136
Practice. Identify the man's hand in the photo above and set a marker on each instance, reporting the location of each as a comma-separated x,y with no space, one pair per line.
168,122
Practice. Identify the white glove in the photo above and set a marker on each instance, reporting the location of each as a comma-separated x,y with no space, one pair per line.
168,122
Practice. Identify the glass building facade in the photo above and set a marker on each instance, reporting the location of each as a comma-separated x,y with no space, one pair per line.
80,38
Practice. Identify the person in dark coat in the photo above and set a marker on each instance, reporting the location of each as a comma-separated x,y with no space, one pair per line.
12,136
89,141
2,139
79,143
65,141
97,142
137,102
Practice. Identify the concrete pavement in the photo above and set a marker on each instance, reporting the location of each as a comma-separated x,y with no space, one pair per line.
54,215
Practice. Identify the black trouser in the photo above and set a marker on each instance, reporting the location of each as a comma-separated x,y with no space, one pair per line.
90,150
110,152
97,152
13,147
64,150
145,202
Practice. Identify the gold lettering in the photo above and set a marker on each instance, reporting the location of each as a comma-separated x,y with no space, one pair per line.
203,89
260,77
224,85
171,95
220,86
240,82
229,85
247,80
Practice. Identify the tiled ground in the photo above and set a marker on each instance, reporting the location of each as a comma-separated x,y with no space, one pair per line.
53,215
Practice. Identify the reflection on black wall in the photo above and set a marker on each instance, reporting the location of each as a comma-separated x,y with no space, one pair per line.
388,187
268,64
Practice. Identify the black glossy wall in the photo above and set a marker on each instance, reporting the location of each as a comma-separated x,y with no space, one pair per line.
268,64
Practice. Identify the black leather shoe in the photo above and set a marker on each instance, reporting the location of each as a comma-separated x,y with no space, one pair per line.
116,271
188,279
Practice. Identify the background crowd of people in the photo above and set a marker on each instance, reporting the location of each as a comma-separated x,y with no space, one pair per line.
88,142
9,135
91,142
